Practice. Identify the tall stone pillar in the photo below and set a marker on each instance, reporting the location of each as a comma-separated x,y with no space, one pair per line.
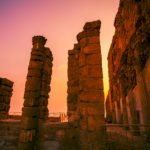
91,95
5,96
73,92
36,96
73,83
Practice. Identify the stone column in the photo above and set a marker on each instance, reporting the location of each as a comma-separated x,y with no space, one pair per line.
5,96
73,92
73,83
91,95
37,87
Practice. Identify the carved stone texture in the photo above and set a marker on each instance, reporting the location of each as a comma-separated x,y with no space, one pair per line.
91,95
6,88
36,94
128,62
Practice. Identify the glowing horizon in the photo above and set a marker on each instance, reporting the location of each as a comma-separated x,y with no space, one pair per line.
59,21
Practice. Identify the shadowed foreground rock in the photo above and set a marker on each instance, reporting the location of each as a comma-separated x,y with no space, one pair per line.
36,96
5,96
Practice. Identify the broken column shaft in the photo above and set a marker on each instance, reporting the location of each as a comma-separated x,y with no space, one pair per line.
36,96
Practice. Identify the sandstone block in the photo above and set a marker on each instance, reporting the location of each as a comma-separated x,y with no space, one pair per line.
30,111
37,58
31,101
43,101
92,83
7,107
72,98
95,71
5,93
29,123
46,77
91,71
85,34
72,106
91,96
34,73
37,52
83,122
91,49
2,106
93,59
45,92
33,84
35,65
82,60
32,94
47,68
90,26
7,99
74,82
73,89
83,42
92,123
4,81
48,53
6,88
94,40
43,112
92,109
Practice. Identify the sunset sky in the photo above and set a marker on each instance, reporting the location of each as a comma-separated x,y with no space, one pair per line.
59,21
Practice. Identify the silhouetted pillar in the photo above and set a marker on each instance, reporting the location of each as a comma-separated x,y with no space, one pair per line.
36,96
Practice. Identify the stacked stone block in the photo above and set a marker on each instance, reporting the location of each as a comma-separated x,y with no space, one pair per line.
36,96
73,93
73,82
89,102
5,96
91,95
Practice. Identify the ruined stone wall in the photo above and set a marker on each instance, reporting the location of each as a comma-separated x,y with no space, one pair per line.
89,90
73,82
128,62
5,97
72,98
36,96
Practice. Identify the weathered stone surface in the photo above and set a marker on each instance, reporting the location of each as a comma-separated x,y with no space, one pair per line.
85,88
91,96
90,49
30,111
91,83
128,101
29,122
5,96
91,71
36,95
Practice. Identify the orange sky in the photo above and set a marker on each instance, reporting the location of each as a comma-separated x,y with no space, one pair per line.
59,21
